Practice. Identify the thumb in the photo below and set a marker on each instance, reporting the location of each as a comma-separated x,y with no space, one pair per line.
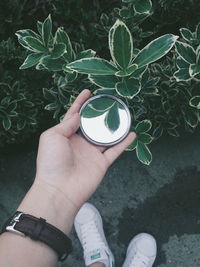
69,126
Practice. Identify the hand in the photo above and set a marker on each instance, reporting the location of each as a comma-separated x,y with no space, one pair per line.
69,163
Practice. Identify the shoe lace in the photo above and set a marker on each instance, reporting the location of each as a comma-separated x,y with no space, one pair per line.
91,238
139,260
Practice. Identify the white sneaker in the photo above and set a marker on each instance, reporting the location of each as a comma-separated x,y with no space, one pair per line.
89,228
141,251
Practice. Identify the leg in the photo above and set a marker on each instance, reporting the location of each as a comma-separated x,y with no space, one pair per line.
89,228
141,251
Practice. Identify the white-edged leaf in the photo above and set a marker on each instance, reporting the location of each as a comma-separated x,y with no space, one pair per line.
52,64
182,64
62,37
46,30
186,52
186,34
194,69
102,91
106,82
21,34
182,75
143,126
96,66
123,73
58,50
145,138
132,145
195,102
143,153
31,60
128,88
142,6
39,27
155,50
6,123
35,45
121,44
197,31
86,54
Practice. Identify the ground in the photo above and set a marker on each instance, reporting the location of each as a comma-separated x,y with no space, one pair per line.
161,199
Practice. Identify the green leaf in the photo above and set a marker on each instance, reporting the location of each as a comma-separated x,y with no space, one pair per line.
143,126
21,124
96,66
70,77
127,72
155,50
31,60
58,50
6,123
128,88
98,105
195,102
132,145
62,37
39,27
137,74
158,131
198,31
186,34
121,45
52,64
21,34
106,92
89,112
112,119
186,52
194,69
173,132
35,45
46,30
49,94
182,64
182,75
143,6
145,138
108,81
143,153
51,106
86,54
191,117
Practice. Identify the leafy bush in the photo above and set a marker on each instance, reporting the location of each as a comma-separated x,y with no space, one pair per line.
21,105
162,92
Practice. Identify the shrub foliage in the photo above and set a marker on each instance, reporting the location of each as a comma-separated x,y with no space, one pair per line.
123,51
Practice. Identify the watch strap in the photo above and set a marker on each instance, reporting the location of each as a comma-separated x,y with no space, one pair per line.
39,229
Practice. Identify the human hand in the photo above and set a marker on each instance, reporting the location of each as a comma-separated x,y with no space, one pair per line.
69,163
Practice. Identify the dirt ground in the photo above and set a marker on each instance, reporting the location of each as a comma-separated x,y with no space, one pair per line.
161,199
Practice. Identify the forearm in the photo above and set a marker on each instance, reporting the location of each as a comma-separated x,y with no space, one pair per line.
50,204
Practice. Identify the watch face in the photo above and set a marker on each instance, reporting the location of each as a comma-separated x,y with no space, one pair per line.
105,120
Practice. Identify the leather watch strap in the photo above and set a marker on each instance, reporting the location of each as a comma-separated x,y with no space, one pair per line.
39,229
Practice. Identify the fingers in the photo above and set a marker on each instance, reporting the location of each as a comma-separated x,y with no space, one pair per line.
81,98
113,153
68,126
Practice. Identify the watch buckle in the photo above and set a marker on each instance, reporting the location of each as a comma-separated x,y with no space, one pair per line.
12,224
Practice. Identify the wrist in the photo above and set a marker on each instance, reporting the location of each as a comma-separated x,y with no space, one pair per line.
48,202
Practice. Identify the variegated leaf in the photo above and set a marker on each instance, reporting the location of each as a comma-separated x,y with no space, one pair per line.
155,50
121,45
96,66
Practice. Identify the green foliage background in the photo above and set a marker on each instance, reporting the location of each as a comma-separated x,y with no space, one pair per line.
169,99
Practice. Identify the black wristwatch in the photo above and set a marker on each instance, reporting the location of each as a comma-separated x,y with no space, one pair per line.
38,229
